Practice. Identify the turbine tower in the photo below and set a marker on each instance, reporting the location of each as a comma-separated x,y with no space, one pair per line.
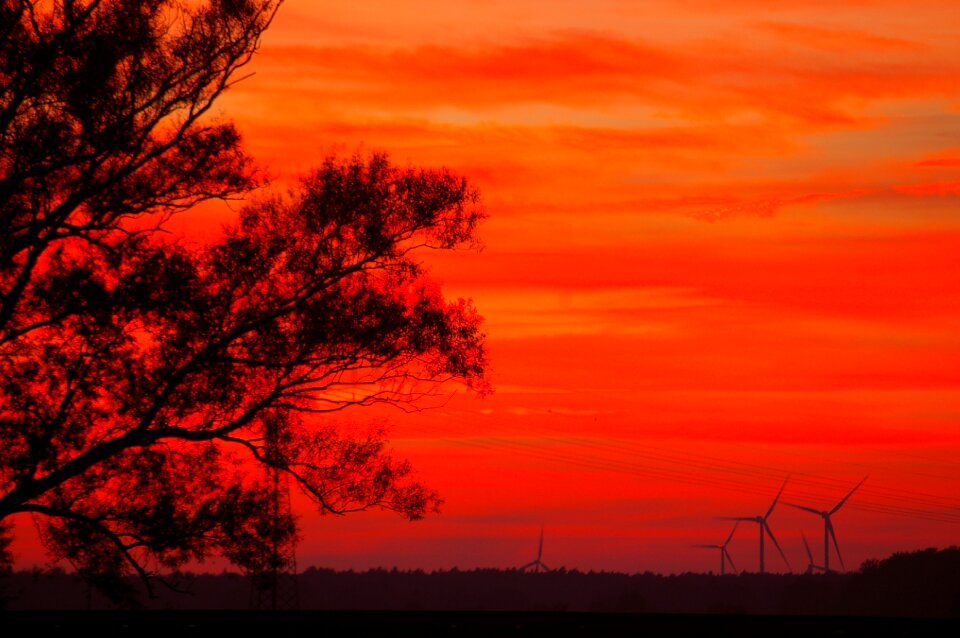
811,566
537,564
828,532
724,554
765,527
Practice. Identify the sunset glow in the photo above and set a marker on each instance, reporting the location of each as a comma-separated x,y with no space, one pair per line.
722,247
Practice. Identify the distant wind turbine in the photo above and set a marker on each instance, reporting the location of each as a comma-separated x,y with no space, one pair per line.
537,564
765,527
811,566
724,554
828,532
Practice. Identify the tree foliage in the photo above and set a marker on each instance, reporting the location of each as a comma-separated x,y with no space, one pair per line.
140,374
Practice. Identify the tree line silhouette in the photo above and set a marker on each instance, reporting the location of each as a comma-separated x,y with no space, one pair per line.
921,584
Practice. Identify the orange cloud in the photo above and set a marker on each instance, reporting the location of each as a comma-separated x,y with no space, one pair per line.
845,39
769,207
940,162
591,69
932,188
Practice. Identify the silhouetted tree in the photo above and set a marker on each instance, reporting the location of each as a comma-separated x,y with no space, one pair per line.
137,372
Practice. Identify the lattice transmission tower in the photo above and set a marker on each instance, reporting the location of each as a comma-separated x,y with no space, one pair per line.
276,587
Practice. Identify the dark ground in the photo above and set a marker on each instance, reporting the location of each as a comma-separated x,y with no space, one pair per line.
187,624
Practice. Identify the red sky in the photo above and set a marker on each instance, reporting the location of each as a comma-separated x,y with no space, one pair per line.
723,246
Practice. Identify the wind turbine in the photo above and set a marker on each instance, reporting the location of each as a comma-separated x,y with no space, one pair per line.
537,564
811,566
765,527
724,554
828,532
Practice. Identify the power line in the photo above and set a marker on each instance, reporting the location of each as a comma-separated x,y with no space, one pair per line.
741,476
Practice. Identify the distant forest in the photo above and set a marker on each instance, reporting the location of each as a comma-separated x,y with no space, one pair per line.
922,584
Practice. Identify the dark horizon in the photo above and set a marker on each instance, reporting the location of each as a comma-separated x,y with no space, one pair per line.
921,584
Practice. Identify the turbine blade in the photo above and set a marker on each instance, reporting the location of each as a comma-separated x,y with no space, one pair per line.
729,558
709,546
729,538
540,549
844,499
545,568
777,545
806,546
833,535
777,498
752,519
804,508
528,565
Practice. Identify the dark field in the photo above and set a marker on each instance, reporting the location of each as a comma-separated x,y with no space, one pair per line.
183,624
